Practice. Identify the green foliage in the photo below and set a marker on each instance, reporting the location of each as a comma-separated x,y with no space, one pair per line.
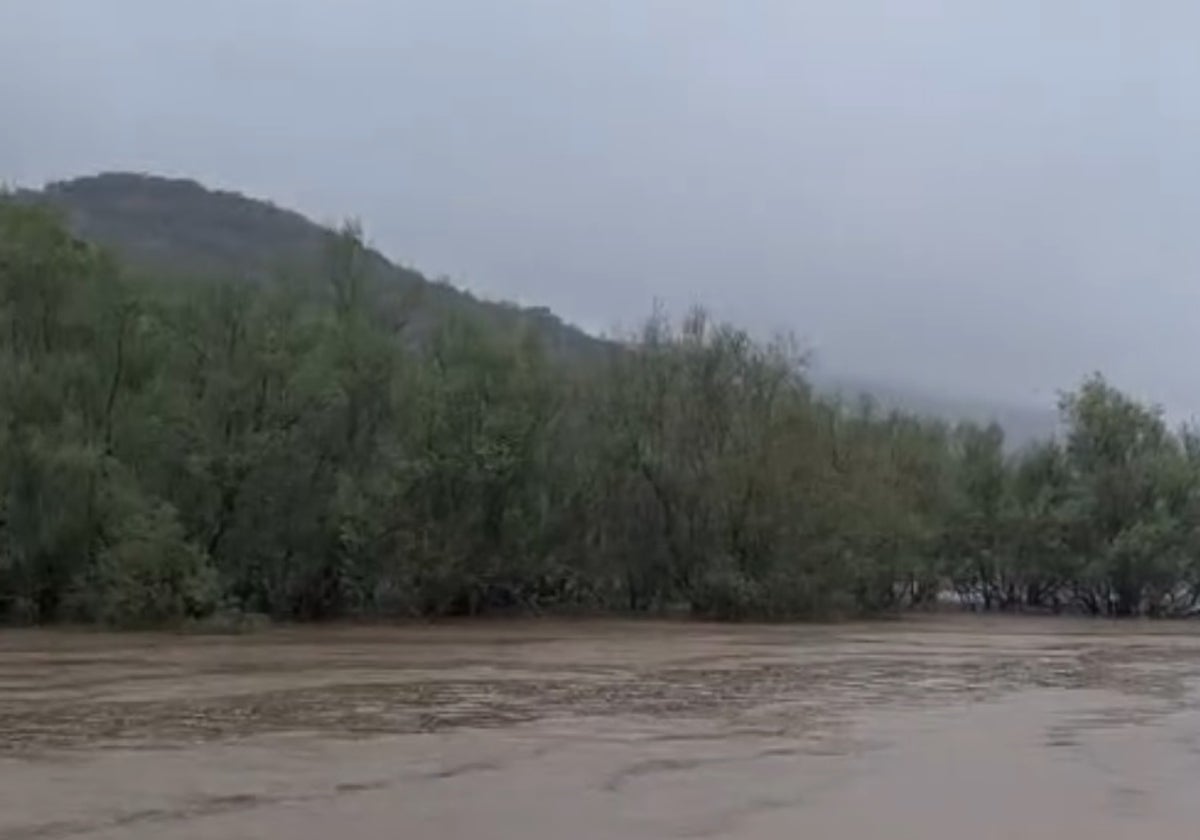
145,572
171,453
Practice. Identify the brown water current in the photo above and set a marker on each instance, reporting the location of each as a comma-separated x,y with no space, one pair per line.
931,728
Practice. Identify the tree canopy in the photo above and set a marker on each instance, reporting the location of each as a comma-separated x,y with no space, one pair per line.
169,451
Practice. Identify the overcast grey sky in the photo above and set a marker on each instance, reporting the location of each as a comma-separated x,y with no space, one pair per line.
989,198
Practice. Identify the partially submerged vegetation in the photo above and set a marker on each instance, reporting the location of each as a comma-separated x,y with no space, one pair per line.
171,451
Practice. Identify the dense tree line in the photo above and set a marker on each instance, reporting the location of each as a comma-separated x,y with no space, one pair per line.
171,451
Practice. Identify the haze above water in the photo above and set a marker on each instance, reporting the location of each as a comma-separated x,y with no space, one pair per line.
920,729
983,200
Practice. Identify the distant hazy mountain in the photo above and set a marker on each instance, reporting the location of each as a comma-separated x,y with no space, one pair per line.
181,228
1021,424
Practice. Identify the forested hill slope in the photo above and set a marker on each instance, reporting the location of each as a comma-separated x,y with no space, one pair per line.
180,228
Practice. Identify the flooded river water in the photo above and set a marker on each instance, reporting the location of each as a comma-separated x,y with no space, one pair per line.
928,729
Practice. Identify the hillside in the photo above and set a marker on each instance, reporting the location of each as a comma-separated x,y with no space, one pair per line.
181,228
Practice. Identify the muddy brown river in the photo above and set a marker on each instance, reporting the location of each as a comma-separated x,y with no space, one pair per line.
933,728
